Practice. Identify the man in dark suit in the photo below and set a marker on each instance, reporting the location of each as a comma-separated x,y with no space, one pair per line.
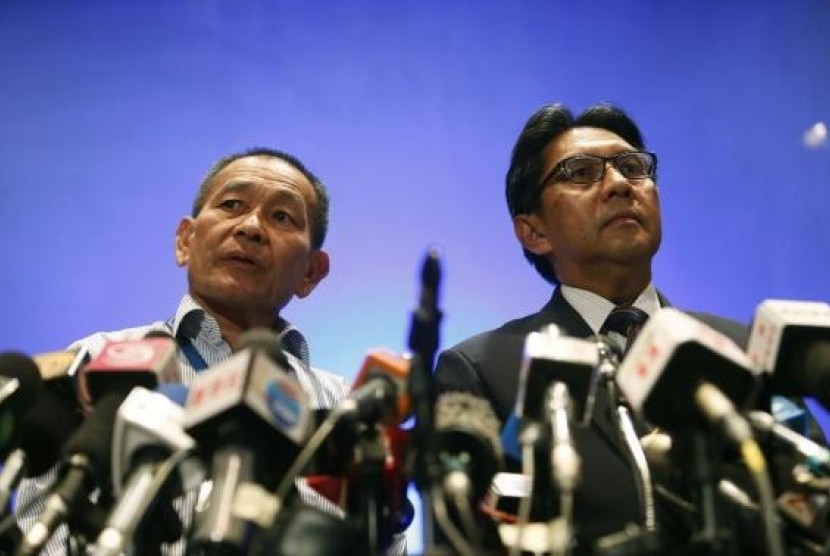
584,201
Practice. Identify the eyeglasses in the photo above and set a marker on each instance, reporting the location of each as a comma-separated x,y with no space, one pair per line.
586,169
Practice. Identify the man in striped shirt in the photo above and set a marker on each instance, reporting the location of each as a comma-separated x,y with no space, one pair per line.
252,243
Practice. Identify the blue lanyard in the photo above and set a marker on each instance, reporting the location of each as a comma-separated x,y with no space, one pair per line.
193,356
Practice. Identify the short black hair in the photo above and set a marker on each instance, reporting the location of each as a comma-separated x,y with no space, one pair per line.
522,187
320,210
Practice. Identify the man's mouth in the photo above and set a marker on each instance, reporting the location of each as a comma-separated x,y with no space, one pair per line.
243,259
622,217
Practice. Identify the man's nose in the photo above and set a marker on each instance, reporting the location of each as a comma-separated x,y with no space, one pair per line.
250,227
614,183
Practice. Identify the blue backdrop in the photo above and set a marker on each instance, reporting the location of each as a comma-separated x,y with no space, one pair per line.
111,112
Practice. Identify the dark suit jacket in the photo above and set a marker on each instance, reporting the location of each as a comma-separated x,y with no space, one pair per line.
488,365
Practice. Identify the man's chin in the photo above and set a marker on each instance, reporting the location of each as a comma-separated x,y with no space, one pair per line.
631,249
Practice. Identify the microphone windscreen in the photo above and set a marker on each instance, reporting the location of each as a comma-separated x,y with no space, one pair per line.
15,365
467,429
48,425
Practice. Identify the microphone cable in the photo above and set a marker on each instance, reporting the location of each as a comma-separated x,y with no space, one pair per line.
738,430
308,451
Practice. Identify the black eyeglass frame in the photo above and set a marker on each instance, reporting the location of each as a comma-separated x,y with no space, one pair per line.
560,167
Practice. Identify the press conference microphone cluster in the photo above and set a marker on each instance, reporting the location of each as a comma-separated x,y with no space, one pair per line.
85,465
684,376
40,413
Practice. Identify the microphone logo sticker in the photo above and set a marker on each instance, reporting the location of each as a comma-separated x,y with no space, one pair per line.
284,408
132,353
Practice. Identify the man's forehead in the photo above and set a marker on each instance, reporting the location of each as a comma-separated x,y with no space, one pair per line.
261,165
250,171
592,140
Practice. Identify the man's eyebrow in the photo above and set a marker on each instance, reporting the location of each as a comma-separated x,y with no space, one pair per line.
234,186
281,194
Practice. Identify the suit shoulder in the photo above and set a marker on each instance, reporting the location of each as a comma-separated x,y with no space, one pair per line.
736,330
516,328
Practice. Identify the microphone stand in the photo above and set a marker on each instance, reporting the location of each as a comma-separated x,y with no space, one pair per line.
646,539
423,342
368,502
710,538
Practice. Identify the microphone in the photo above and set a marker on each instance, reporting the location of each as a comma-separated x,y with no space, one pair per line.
86,456
552,357
423,340
673,357
380,391
790,340
817,456
46,423
240,410
20,385
148,435
548,357
424,331
130,361
61,366
680,371
375,487
467,442
468,455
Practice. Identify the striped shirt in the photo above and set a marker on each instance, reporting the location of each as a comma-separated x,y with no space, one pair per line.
192,324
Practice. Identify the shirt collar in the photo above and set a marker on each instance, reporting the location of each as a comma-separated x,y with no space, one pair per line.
192,321
594,309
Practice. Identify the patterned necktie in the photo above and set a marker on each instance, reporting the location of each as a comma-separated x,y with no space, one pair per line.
626,321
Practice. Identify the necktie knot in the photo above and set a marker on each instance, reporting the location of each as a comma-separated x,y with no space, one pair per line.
625,320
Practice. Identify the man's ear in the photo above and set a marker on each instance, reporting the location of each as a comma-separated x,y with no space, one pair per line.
531,233
318,268
183,234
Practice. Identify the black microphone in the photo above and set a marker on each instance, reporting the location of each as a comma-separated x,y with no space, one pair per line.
669,368
20,386
424,331
549,357
251,416
423,341
46,423
86,455
790,340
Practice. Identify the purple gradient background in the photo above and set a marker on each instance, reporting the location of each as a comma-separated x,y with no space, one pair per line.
111,112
